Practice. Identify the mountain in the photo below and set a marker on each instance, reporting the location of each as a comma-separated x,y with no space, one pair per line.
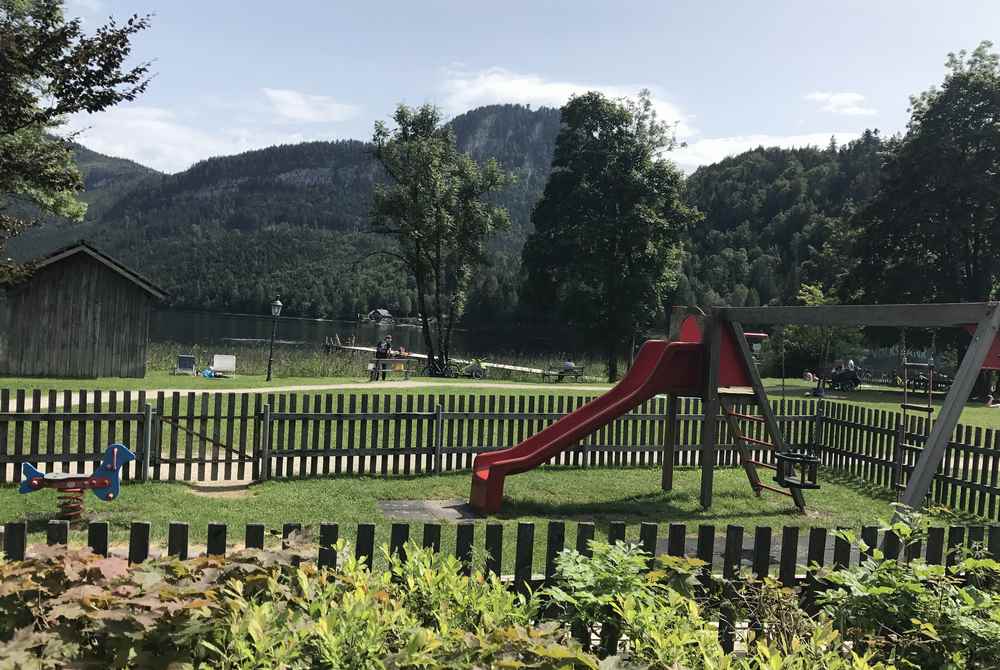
230,232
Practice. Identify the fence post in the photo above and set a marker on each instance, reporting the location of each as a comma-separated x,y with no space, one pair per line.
817,437
669,443
148,430
265,442
438,437
899,438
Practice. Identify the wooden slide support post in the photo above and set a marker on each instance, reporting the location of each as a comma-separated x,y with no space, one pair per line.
710,409
669,443
937,442
777,437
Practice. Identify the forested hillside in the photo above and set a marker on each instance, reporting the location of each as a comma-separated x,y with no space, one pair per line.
106,181
775,218
230,232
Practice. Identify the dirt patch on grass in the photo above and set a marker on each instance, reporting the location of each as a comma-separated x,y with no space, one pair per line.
219,490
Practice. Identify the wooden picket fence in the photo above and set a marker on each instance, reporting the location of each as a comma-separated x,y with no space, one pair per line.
221,436
242,436
762,550
877,447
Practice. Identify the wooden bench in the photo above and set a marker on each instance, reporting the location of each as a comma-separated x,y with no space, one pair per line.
379,367
558,374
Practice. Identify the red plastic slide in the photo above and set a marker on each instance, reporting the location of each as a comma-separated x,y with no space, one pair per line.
661,367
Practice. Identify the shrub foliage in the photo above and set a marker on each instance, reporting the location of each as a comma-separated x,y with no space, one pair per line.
617,608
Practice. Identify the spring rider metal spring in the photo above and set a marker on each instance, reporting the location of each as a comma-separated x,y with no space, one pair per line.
70,503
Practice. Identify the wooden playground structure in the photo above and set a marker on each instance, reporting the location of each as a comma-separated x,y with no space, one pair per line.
709,356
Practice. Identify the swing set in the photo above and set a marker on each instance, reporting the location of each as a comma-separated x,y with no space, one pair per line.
981,320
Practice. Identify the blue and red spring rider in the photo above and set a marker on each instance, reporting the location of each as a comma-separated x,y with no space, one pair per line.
104,482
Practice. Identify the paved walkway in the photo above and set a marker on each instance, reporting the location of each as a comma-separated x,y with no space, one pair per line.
371,386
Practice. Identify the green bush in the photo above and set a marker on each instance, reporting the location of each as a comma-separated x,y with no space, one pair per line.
616,609
915,614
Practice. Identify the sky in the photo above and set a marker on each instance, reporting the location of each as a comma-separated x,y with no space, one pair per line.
232,76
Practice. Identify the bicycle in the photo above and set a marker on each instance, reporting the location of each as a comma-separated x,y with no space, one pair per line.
435,369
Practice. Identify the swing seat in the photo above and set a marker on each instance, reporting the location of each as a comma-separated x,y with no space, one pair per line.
805,462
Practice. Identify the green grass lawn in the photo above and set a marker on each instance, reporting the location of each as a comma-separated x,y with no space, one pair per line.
881,398
886,398
598,495
164,380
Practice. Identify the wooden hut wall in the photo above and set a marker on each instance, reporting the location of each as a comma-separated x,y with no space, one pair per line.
78,318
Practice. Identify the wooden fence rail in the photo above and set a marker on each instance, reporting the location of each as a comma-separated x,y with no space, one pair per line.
876,446
763,550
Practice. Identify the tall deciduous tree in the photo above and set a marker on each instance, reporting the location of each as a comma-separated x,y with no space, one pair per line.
50,68
433,206
605,253
932,231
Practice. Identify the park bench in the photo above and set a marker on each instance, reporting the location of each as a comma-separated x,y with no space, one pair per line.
389,366
559,373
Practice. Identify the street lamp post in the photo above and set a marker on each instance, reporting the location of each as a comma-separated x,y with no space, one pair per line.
275,313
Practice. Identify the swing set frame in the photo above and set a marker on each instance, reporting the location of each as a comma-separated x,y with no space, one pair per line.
983,349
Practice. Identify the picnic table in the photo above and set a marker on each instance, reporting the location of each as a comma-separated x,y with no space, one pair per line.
383,368
558,373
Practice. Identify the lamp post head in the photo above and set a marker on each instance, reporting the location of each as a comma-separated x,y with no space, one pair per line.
276,308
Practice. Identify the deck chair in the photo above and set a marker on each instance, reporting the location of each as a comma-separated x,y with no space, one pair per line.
224,364
185,365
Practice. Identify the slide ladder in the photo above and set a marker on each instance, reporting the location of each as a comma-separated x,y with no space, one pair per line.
747,461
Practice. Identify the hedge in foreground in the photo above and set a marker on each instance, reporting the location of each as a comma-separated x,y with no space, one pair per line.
260,609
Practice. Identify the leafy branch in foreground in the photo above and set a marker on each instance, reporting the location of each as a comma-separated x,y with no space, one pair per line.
50,68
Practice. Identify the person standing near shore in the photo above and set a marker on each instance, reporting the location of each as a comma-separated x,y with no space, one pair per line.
382,350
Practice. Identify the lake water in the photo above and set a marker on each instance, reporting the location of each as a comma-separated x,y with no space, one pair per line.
191,327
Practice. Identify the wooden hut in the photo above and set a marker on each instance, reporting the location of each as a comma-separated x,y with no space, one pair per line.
80,313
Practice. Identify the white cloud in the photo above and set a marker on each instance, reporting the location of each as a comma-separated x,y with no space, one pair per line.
156,137
466,90
713,149
847,103
92,6
302,107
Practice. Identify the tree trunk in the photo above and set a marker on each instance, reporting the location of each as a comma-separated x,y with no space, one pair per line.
611,351
438,312
425,325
